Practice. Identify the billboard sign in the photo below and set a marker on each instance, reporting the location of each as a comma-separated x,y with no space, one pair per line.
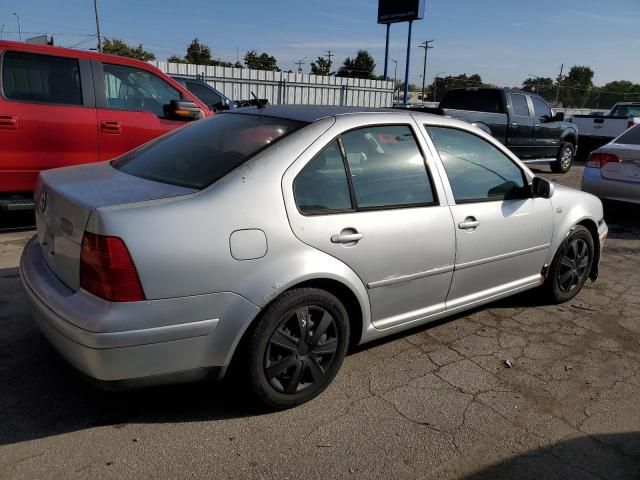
393,11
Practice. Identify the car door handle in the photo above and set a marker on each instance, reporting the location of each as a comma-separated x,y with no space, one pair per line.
347,237
470,223
8,122
111,127
514,124
536,126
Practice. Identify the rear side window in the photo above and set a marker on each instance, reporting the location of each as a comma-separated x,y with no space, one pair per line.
520,106
477,100
128,88
322,186
207,150
38,78
477,171
387,168
377,167
630,137
540,108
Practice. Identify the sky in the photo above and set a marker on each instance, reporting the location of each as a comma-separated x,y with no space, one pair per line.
503,41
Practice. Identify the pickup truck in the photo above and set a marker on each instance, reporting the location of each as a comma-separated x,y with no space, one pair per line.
214,99
520,120
598,130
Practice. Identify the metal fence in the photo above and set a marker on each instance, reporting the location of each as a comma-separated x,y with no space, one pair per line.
287,88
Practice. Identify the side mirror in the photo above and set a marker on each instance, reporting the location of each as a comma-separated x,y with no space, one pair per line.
559,117
182,110
542,188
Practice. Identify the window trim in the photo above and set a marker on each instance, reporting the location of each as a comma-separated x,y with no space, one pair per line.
99,85
525,178
86,83
354,204
526,100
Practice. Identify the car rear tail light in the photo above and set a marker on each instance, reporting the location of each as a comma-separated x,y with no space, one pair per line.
599,160
107,270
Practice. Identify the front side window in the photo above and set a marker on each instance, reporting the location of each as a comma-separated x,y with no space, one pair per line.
322,186
387,168
38,78
136,90
477,170
197,156
207,95
540,108
520,106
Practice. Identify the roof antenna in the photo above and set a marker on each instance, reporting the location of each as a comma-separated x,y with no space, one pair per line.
259,103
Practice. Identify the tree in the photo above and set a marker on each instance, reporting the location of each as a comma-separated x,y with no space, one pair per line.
441,85
263,61
362,66
176,59
321,66
576,86
198,53
115,46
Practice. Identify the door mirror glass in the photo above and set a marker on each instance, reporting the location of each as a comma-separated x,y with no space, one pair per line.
542,188
182,110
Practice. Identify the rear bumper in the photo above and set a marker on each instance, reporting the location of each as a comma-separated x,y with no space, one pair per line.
187,334
594,183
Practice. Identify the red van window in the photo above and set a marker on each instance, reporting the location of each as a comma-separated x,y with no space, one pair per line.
38,78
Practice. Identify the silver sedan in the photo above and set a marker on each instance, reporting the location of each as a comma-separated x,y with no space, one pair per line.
275,237
613,171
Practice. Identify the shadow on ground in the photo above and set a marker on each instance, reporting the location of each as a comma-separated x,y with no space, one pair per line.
592,457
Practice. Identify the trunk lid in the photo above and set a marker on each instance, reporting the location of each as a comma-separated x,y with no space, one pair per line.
628,169
65,198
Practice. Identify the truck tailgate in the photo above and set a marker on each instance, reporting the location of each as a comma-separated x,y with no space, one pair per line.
600,126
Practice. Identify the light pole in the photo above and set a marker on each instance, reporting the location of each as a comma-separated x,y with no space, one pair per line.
1,31
19,30
435,85
395,73
426,47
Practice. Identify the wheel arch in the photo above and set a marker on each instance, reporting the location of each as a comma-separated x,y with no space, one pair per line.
569,136
337,288
593,230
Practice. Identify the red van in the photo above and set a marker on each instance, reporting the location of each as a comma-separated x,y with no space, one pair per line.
63,107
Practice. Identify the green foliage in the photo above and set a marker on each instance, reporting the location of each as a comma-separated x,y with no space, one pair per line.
263,61
321,66
115,46
441,85
362,66
199,54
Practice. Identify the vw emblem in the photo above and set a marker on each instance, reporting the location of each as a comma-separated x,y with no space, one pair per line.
43,202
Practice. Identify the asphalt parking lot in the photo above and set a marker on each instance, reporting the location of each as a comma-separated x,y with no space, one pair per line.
437,402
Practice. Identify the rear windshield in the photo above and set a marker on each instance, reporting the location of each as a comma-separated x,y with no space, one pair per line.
200,154
626,111
477,100
630,137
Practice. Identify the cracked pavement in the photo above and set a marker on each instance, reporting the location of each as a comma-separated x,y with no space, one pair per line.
436,402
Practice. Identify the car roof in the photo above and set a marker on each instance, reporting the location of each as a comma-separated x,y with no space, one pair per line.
310,113
72,52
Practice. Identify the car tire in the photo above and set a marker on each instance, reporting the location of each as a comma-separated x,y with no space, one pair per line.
564,159
571,266
296,347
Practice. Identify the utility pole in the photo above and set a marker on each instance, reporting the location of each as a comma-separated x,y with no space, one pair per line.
395,74
559,81
19,29
329,55
300,63
426,47
1,31
95,8
405,95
